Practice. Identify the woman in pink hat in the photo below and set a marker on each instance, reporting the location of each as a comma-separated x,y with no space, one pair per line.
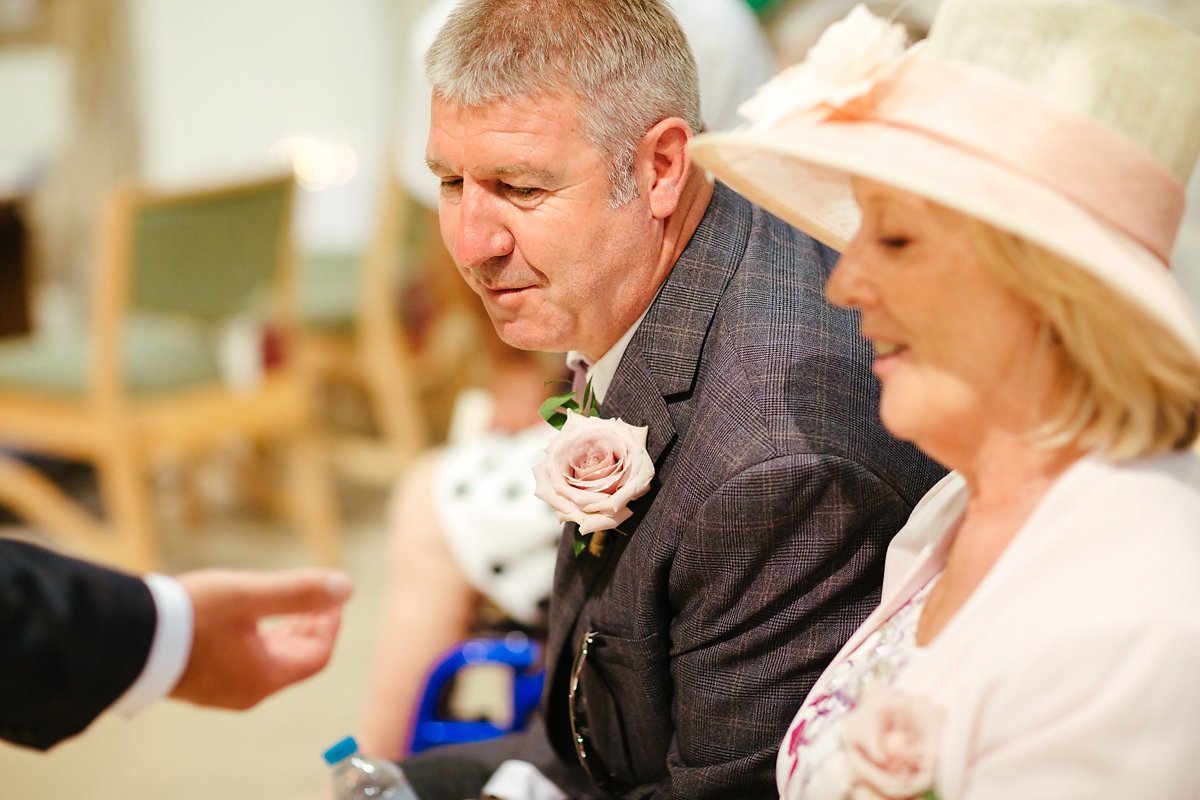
1006,195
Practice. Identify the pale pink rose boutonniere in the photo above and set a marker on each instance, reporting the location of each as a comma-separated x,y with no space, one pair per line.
890,742
593,469
838,74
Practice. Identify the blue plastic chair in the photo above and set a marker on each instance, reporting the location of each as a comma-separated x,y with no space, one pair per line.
517,651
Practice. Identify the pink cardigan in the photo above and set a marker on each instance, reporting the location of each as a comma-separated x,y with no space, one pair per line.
1073,671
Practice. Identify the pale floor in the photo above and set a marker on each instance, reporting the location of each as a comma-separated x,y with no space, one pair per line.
272,752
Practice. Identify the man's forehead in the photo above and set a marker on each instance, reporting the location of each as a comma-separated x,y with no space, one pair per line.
535,137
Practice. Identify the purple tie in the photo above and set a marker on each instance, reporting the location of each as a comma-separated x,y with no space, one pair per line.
579,379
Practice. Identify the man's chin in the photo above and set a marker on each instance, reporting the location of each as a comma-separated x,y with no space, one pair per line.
525,337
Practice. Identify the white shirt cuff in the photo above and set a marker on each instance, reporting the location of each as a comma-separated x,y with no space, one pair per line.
169,650
520,780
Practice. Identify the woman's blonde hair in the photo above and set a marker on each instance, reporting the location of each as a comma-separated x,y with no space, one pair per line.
1132,387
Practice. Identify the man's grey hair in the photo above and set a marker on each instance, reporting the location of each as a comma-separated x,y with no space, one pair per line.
626,61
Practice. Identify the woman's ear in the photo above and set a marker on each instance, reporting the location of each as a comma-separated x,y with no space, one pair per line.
664,162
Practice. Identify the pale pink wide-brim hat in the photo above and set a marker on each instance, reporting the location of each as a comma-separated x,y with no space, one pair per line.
1072,123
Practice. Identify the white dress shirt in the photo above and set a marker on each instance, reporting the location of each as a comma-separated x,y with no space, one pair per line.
601,373
169,650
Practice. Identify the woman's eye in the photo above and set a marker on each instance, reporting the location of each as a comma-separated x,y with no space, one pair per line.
894,242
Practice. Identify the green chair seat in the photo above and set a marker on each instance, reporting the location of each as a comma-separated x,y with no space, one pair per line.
159,355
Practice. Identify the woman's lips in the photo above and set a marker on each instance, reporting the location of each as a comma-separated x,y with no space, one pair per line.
886,356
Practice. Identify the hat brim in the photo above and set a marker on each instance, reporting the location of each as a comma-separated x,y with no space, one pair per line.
803,177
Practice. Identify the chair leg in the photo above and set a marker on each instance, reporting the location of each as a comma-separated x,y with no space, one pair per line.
313,504
193,508
390,378
398,411
35,498
125,486
257,481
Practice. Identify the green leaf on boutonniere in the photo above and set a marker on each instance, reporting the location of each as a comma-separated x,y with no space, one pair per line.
588,406
554,409
580,544
930,794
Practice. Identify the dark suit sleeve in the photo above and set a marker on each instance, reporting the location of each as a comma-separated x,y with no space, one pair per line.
773,575
73,637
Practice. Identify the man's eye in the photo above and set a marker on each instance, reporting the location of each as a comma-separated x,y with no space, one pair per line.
451,184
520,193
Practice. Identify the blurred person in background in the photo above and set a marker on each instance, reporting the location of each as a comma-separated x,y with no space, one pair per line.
1008,197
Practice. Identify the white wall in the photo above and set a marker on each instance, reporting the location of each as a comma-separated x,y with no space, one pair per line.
221,81
34,111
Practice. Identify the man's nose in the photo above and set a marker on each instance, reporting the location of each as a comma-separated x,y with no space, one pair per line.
482,234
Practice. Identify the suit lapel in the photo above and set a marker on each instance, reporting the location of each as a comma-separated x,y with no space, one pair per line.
650,387
634,398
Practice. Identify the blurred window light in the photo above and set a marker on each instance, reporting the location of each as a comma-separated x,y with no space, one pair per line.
319,162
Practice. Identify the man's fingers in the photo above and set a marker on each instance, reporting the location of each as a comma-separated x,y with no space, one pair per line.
293,591
302,646
250,593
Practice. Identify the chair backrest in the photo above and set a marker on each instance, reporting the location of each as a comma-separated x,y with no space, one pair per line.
193,258
210,253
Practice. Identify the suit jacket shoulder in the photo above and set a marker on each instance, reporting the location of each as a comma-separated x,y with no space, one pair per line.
741,340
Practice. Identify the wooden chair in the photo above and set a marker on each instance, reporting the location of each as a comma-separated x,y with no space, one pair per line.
143,384
350,334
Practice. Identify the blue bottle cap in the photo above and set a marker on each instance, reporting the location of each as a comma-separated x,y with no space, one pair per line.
343,749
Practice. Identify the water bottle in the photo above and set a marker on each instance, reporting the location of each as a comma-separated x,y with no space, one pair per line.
357,777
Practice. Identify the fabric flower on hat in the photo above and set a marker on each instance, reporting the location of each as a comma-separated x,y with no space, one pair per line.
593,469
845,64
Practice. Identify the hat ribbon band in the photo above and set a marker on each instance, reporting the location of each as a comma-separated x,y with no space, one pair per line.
1010,124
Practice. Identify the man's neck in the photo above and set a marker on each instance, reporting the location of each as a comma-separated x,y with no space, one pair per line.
676,233
693,203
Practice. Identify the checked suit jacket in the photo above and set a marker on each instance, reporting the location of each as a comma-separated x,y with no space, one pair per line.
758,549
73,637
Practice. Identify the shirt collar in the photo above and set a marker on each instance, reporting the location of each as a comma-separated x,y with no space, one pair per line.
601,373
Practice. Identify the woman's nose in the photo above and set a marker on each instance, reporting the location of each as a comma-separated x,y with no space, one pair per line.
849,284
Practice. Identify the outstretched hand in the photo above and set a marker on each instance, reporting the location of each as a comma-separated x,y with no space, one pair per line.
257,632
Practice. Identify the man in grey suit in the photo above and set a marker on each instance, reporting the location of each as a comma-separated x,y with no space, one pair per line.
676,656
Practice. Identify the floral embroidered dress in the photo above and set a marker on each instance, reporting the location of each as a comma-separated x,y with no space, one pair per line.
814,740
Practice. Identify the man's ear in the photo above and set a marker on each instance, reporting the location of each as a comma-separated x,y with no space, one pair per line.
664,163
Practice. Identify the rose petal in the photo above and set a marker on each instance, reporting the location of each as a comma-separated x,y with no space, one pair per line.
593,469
